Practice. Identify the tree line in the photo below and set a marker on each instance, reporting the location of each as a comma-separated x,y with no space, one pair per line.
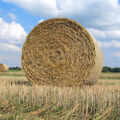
15,68
105,69
109,69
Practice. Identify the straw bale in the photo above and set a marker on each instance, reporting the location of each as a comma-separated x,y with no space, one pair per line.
61,52
3,68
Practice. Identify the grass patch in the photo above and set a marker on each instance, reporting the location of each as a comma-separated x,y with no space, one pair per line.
14,70
50,103
15,75
22,100
110,77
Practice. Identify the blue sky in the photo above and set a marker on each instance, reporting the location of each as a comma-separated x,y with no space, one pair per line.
100,17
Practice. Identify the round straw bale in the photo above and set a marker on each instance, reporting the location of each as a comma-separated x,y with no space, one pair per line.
3,68
61,52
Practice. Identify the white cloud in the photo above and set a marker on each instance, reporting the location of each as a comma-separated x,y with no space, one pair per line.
41,20
113,33
9,47
117,54
11,33
92,12
97,33
37,6
112,43
12,16
116,43
104,33
106,44
101,17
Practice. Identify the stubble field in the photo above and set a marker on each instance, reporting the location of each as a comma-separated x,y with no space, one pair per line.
22,100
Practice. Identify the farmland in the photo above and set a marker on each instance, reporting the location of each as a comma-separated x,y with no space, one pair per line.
22,100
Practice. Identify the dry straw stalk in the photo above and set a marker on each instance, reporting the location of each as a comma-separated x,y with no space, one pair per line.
61,52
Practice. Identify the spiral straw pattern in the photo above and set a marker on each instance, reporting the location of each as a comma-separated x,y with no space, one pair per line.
3,68
61,52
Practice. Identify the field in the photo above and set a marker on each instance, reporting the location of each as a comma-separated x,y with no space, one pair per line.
22,100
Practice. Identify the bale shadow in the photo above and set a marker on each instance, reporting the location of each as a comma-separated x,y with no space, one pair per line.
27,83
